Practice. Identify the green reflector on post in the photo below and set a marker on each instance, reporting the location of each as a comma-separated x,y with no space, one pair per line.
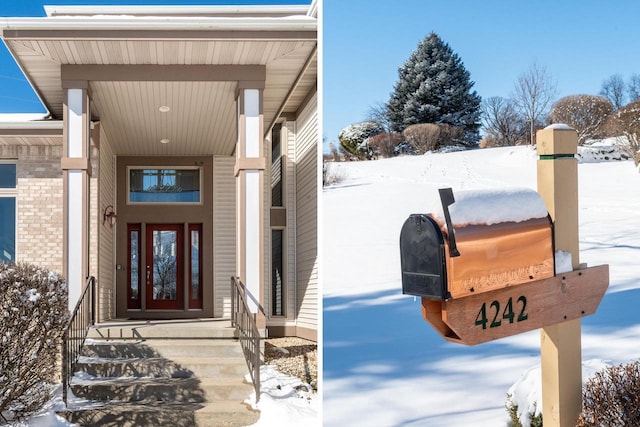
556,156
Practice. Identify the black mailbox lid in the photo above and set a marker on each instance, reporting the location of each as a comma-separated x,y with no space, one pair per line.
422,258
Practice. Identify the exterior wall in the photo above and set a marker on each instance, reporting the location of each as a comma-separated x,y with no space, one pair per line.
224,233
300,152
306,177
106,181
39,204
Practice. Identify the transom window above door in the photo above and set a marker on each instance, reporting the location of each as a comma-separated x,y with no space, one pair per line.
164,185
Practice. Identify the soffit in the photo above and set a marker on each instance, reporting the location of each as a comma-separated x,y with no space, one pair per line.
31,140
205,109
21,131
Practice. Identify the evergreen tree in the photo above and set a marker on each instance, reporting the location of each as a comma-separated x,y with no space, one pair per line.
434,87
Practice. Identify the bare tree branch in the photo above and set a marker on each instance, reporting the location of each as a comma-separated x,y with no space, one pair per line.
613,89
534,92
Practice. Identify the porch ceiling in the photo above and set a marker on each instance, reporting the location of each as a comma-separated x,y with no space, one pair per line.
202,119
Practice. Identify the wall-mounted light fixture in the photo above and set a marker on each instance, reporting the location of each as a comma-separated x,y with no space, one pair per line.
109,216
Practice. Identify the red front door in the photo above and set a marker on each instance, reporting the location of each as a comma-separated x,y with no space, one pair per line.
164,266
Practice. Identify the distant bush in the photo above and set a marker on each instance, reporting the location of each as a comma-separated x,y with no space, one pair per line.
626,122
331,174
431,136
353,139
587,114
385,144
33,313
612,397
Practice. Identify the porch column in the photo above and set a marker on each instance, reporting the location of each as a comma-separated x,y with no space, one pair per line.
249,172
76,169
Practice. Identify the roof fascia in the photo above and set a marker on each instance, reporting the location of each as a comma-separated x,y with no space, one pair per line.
152,27
34,129
220,10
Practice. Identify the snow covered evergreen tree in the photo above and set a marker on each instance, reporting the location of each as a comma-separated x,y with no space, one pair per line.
434,87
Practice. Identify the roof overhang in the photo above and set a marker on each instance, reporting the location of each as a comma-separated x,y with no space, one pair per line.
265,11
198,57
29,130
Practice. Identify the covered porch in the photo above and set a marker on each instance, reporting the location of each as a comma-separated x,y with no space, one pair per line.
168,127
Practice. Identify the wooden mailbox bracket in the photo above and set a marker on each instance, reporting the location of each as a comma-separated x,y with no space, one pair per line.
500,313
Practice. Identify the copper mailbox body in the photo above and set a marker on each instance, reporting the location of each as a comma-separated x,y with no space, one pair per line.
499,255
481,256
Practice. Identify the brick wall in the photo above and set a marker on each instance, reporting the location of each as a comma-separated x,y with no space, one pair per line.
39,204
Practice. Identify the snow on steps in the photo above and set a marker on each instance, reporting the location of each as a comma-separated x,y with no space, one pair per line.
153,382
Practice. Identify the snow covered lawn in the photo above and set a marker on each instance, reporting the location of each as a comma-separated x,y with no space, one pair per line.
383,364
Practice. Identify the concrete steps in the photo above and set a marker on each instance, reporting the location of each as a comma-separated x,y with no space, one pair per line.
185,381
146,329
116,414
162,367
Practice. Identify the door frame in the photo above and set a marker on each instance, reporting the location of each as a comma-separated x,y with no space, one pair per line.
149,268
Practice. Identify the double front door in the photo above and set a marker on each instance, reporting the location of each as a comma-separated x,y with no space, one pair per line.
165,266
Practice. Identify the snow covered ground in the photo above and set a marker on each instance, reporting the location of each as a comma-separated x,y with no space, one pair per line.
383,364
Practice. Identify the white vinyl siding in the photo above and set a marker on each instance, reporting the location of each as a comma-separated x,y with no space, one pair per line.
290,235
224,233
106,185
306,178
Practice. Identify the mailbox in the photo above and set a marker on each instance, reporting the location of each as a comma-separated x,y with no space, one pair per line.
487,241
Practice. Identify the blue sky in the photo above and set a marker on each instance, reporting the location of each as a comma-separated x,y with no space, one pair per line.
16,95
581,42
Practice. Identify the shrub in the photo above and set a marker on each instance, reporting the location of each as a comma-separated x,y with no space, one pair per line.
33,313
331,174
587,114
385,144
353,139
531,417
431,136
626,123
612,397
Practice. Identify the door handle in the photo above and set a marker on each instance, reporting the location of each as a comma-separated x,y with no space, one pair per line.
148,274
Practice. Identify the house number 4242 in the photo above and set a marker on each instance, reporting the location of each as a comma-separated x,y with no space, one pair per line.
497,315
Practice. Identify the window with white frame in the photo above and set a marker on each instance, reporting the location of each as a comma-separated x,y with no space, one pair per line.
8,193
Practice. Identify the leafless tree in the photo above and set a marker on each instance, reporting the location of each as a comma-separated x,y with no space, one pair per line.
613,89
379,113
534,91
633,88
587,114
502,122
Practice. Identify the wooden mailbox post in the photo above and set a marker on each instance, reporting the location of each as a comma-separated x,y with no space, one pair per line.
560,344
554,303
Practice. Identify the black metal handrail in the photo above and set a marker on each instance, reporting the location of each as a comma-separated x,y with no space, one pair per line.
82,318
247,330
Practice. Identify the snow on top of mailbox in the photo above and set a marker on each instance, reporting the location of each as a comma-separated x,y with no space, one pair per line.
494,206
